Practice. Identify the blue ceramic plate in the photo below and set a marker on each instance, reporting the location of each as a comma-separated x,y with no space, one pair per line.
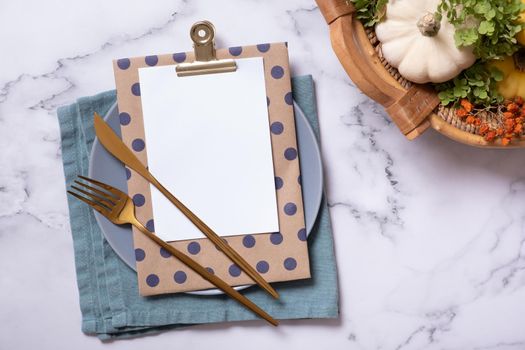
104,167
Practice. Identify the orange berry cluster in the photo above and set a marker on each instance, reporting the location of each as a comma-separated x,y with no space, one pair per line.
513,113
465,113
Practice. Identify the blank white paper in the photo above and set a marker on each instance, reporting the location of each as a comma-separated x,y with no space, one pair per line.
208,142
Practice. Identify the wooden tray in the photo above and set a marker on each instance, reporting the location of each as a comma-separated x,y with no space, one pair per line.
414,108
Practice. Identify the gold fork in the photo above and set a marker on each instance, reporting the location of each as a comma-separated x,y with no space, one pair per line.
118,207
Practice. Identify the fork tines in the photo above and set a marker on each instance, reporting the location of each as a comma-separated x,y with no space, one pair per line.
101,199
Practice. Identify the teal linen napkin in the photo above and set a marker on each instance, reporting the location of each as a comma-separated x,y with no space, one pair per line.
109,299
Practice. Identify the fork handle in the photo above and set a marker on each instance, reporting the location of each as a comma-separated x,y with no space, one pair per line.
198,268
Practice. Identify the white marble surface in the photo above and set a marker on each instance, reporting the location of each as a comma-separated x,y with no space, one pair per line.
429,234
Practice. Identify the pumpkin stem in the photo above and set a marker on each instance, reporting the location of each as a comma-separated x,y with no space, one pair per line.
429,25
519,60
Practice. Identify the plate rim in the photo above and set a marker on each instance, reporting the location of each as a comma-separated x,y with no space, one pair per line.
319,198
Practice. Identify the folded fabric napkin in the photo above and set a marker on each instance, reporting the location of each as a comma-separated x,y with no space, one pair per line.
109,299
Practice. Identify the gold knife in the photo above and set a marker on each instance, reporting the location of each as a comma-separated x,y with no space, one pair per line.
119,150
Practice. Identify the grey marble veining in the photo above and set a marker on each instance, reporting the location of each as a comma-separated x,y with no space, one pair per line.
429,234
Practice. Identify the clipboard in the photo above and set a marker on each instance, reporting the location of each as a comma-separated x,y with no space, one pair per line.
279,256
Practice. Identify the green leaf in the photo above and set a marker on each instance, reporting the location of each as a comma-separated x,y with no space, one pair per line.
369,12
486,27
490,14
496,74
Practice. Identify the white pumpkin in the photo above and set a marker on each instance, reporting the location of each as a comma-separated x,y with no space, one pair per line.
419,46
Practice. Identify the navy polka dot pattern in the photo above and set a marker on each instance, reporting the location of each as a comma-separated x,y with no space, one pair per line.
262,266
290,209
180,277
164,253
179,57
152,280
138,145
290,264
151,60
124,118
279,183
235,51
135,89
210,270
234,270
263,48
276,238
290,153
300,180
123,63
288,98
277,72
267,102
302,234
194,248
248,241
128,174
139,200
277,128
139,254
150,225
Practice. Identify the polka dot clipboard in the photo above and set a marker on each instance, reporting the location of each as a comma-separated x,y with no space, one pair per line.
278,256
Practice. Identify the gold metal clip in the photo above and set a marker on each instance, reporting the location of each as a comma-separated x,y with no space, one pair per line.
202,33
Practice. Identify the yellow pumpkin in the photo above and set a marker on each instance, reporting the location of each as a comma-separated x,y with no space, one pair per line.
521,35
513,69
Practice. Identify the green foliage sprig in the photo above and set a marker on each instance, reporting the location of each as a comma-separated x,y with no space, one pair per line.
477,84
369,12
488,26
